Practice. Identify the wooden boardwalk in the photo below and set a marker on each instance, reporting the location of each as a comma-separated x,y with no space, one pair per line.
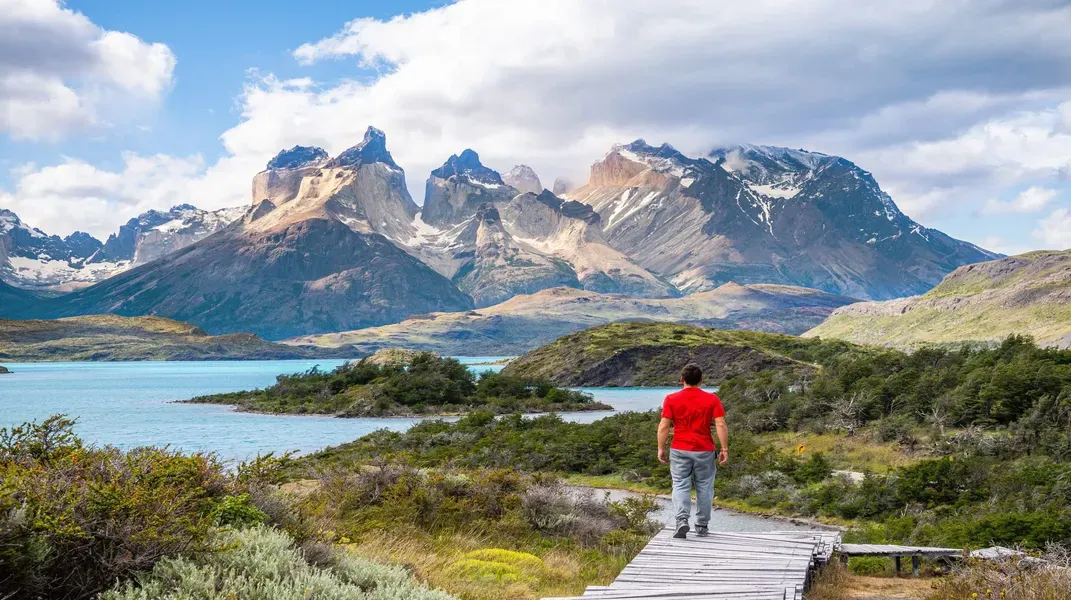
897,552
774,565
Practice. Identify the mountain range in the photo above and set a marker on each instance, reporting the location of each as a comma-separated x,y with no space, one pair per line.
337,243
32,259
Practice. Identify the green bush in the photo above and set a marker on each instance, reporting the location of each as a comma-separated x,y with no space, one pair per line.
869,565
263,564
427,384
74,519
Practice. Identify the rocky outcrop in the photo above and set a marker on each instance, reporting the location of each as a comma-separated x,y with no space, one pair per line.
571,231
502,268
523,179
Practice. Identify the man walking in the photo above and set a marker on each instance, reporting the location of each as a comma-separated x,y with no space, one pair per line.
691,413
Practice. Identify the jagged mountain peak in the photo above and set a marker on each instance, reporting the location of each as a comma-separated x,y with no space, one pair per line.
468,164
567,208
372,149
523,178
298,157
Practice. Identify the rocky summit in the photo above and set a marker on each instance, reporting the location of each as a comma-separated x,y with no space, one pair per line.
523,179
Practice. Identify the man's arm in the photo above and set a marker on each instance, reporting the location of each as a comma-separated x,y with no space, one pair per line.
664,427
723,437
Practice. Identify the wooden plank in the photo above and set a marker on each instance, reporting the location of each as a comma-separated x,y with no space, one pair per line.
747,566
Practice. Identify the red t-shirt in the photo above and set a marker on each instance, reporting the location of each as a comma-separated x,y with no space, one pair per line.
693,412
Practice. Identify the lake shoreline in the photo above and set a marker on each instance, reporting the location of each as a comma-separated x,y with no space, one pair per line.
595,407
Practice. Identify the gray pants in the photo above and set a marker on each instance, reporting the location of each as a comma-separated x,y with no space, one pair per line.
683,466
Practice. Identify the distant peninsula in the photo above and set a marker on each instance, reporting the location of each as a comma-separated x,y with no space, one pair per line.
395,383
116,338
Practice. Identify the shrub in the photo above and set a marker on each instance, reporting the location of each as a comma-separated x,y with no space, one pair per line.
263,564
73,519
498,566
1010,579
868,565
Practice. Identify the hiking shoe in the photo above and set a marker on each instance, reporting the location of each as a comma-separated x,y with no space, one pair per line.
682,531
702,531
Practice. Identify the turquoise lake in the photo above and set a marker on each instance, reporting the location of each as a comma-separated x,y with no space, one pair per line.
130,404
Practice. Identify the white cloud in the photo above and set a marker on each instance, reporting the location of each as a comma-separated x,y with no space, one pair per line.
942,116
60,72
1030,200
1003,246
1010,151
1055,230
76,195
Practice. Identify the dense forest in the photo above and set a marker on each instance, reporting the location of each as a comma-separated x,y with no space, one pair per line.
983,436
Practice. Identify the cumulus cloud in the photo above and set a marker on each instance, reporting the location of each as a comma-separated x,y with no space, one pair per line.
944,117
553,83
58,70
1027,146
1030,200
76,195
1055,231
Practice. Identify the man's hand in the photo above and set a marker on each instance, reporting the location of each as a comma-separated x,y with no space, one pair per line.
662,455
723,457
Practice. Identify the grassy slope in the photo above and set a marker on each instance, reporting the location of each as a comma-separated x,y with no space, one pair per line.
1026,294
111,337
575,358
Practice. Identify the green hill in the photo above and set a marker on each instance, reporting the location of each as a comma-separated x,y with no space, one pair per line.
1029,294
652,354
111,337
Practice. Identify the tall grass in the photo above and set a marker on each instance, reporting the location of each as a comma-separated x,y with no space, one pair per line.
261,563
1011,579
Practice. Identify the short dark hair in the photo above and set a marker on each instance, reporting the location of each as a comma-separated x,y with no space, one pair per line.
692,374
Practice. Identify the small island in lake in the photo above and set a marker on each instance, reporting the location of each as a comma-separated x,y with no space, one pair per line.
397,383
4,370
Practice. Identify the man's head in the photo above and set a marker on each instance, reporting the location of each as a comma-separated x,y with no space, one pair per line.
691,375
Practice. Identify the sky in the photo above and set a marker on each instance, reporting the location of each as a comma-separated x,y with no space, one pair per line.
960,108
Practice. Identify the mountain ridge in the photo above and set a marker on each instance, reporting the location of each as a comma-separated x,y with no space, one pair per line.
983,302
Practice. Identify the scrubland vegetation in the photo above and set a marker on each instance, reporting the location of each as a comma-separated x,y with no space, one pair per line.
82,522
966,447
424,385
